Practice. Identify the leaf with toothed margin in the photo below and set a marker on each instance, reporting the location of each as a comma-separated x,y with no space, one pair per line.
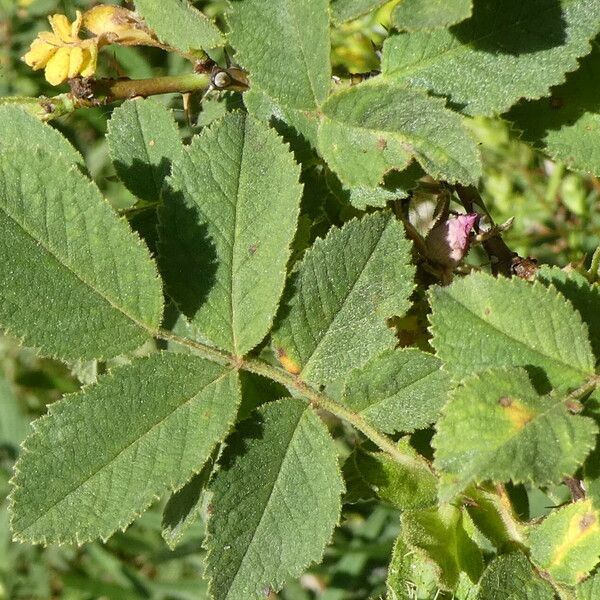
338,300
63,288
275,503
512,577
508,50
143,142
293,68
480,322
372,128
589,589
437,536
227,223
185,506
566,544
399,390
566,124
414,15
19,125
345,10
584,297
141,430
497,427
179,24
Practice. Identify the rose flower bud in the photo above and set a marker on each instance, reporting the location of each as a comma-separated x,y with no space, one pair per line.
448,242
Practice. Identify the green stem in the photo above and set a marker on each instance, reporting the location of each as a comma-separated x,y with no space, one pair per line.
315,397
121,89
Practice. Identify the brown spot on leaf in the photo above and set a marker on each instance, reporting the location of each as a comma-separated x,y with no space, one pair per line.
587,521
252,249
505,401
488,311
381,143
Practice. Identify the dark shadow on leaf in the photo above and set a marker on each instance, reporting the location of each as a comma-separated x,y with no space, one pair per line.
143,179
187,256
538,379
513,26
237,443
566,104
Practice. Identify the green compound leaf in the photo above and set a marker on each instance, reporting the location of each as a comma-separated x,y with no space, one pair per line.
511,577
345,10
226,229
19,125
343,291
496,427
399,390
372,128
180,25
508,48
567,124
584,297
480,322
143,142
438,537
293,68
566,544
275,502
63,288
401,486
144,428
413,15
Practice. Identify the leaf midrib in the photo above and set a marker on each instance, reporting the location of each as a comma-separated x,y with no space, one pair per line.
410,139
284,456
115,458
41,244
346,296
459,47
495,328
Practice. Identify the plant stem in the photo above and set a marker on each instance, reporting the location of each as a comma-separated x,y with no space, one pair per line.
315,397
122,89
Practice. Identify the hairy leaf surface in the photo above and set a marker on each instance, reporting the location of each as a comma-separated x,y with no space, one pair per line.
143,141
226,228
566,544
497,427
511,577
403,487
293,67
480,322
567,124
438,536
507,50
345,10
371,128
399,390
275,502
584,297
179,24
144,428
19,125
64,289
343,291
412,15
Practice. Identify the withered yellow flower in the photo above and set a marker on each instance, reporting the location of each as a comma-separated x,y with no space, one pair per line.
62,53
118,25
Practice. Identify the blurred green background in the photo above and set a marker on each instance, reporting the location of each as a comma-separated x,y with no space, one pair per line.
556,221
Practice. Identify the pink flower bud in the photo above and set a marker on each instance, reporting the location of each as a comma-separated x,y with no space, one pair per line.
448,242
